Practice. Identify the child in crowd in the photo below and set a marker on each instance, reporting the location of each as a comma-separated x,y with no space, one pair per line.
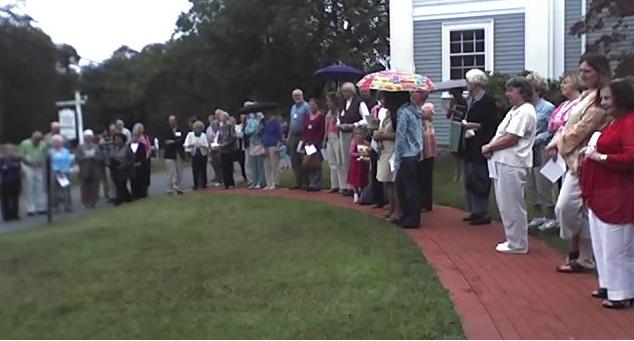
61,162
359,162
10,183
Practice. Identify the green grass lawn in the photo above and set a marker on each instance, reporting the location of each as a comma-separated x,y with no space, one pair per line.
220,267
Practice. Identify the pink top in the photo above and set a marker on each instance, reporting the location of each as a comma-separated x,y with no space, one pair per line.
560,115
145,141
331,122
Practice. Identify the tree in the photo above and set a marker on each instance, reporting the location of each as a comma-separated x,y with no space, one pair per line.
609,21
224,52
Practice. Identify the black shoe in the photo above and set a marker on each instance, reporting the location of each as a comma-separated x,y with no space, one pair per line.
470,217
180,192
31,214
41,212
314,189
348,193
334,190
480,221
294,188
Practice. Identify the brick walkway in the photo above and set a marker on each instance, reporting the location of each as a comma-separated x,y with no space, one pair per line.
500,296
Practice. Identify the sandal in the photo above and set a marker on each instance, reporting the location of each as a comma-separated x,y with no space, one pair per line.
572,265
609,304
601,293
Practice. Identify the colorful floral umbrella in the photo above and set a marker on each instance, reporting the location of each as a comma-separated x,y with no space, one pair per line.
395,81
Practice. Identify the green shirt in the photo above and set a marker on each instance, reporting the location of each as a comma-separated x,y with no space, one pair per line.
32,153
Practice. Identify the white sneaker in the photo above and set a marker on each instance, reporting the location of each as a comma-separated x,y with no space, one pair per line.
536,222
251,187
257,187
355,198
549,225
504,248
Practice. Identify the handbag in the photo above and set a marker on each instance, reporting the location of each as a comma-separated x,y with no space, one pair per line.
311,162
257,150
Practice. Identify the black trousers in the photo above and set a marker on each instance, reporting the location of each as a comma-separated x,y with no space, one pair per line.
240,156
10,198
377,187
426,169
227,160
123,194
408,190
199,171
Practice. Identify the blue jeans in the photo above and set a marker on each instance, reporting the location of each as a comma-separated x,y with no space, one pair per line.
256,164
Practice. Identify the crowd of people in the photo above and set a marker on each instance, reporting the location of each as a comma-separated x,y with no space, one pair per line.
380,149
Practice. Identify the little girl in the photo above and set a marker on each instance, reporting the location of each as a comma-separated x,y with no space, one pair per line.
359,162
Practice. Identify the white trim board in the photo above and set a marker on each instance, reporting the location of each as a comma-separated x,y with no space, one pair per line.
486,24
468,8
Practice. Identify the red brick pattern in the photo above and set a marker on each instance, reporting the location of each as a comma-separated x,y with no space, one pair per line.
500,296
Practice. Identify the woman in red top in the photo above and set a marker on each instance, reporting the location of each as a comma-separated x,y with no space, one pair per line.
314,126
607,183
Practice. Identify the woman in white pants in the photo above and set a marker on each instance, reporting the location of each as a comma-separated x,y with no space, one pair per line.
510,152
586,118
333,145
607,182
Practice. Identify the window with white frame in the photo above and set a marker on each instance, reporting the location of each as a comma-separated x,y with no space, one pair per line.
466,46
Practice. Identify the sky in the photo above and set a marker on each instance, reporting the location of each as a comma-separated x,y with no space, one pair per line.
98,27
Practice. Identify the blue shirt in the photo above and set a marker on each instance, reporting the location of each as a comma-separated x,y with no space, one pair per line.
61,161
272,133
298,115
409,133
544,109
253,129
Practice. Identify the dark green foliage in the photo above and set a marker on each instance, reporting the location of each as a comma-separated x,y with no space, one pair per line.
225,52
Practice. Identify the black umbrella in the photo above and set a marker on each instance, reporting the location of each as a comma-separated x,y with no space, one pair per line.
339,73
257,107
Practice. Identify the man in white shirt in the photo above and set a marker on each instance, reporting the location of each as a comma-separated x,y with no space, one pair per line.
120,125
354,114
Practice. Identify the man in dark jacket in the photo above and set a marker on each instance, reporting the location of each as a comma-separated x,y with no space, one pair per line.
174,153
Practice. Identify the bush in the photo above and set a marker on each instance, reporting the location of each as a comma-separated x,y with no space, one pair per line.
497,89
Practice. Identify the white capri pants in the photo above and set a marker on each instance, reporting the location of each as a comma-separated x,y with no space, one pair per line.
570,211
613,246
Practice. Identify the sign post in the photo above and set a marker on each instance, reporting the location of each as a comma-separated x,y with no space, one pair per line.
71,117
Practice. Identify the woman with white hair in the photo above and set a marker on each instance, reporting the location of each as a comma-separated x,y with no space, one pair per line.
197,145
228,144
479,125
61,162
145,168
90,159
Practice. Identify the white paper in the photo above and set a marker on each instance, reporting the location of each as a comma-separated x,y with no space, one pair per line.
63,180
553,170
392,161
300,146
310,150
493,171
134,147
374,145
